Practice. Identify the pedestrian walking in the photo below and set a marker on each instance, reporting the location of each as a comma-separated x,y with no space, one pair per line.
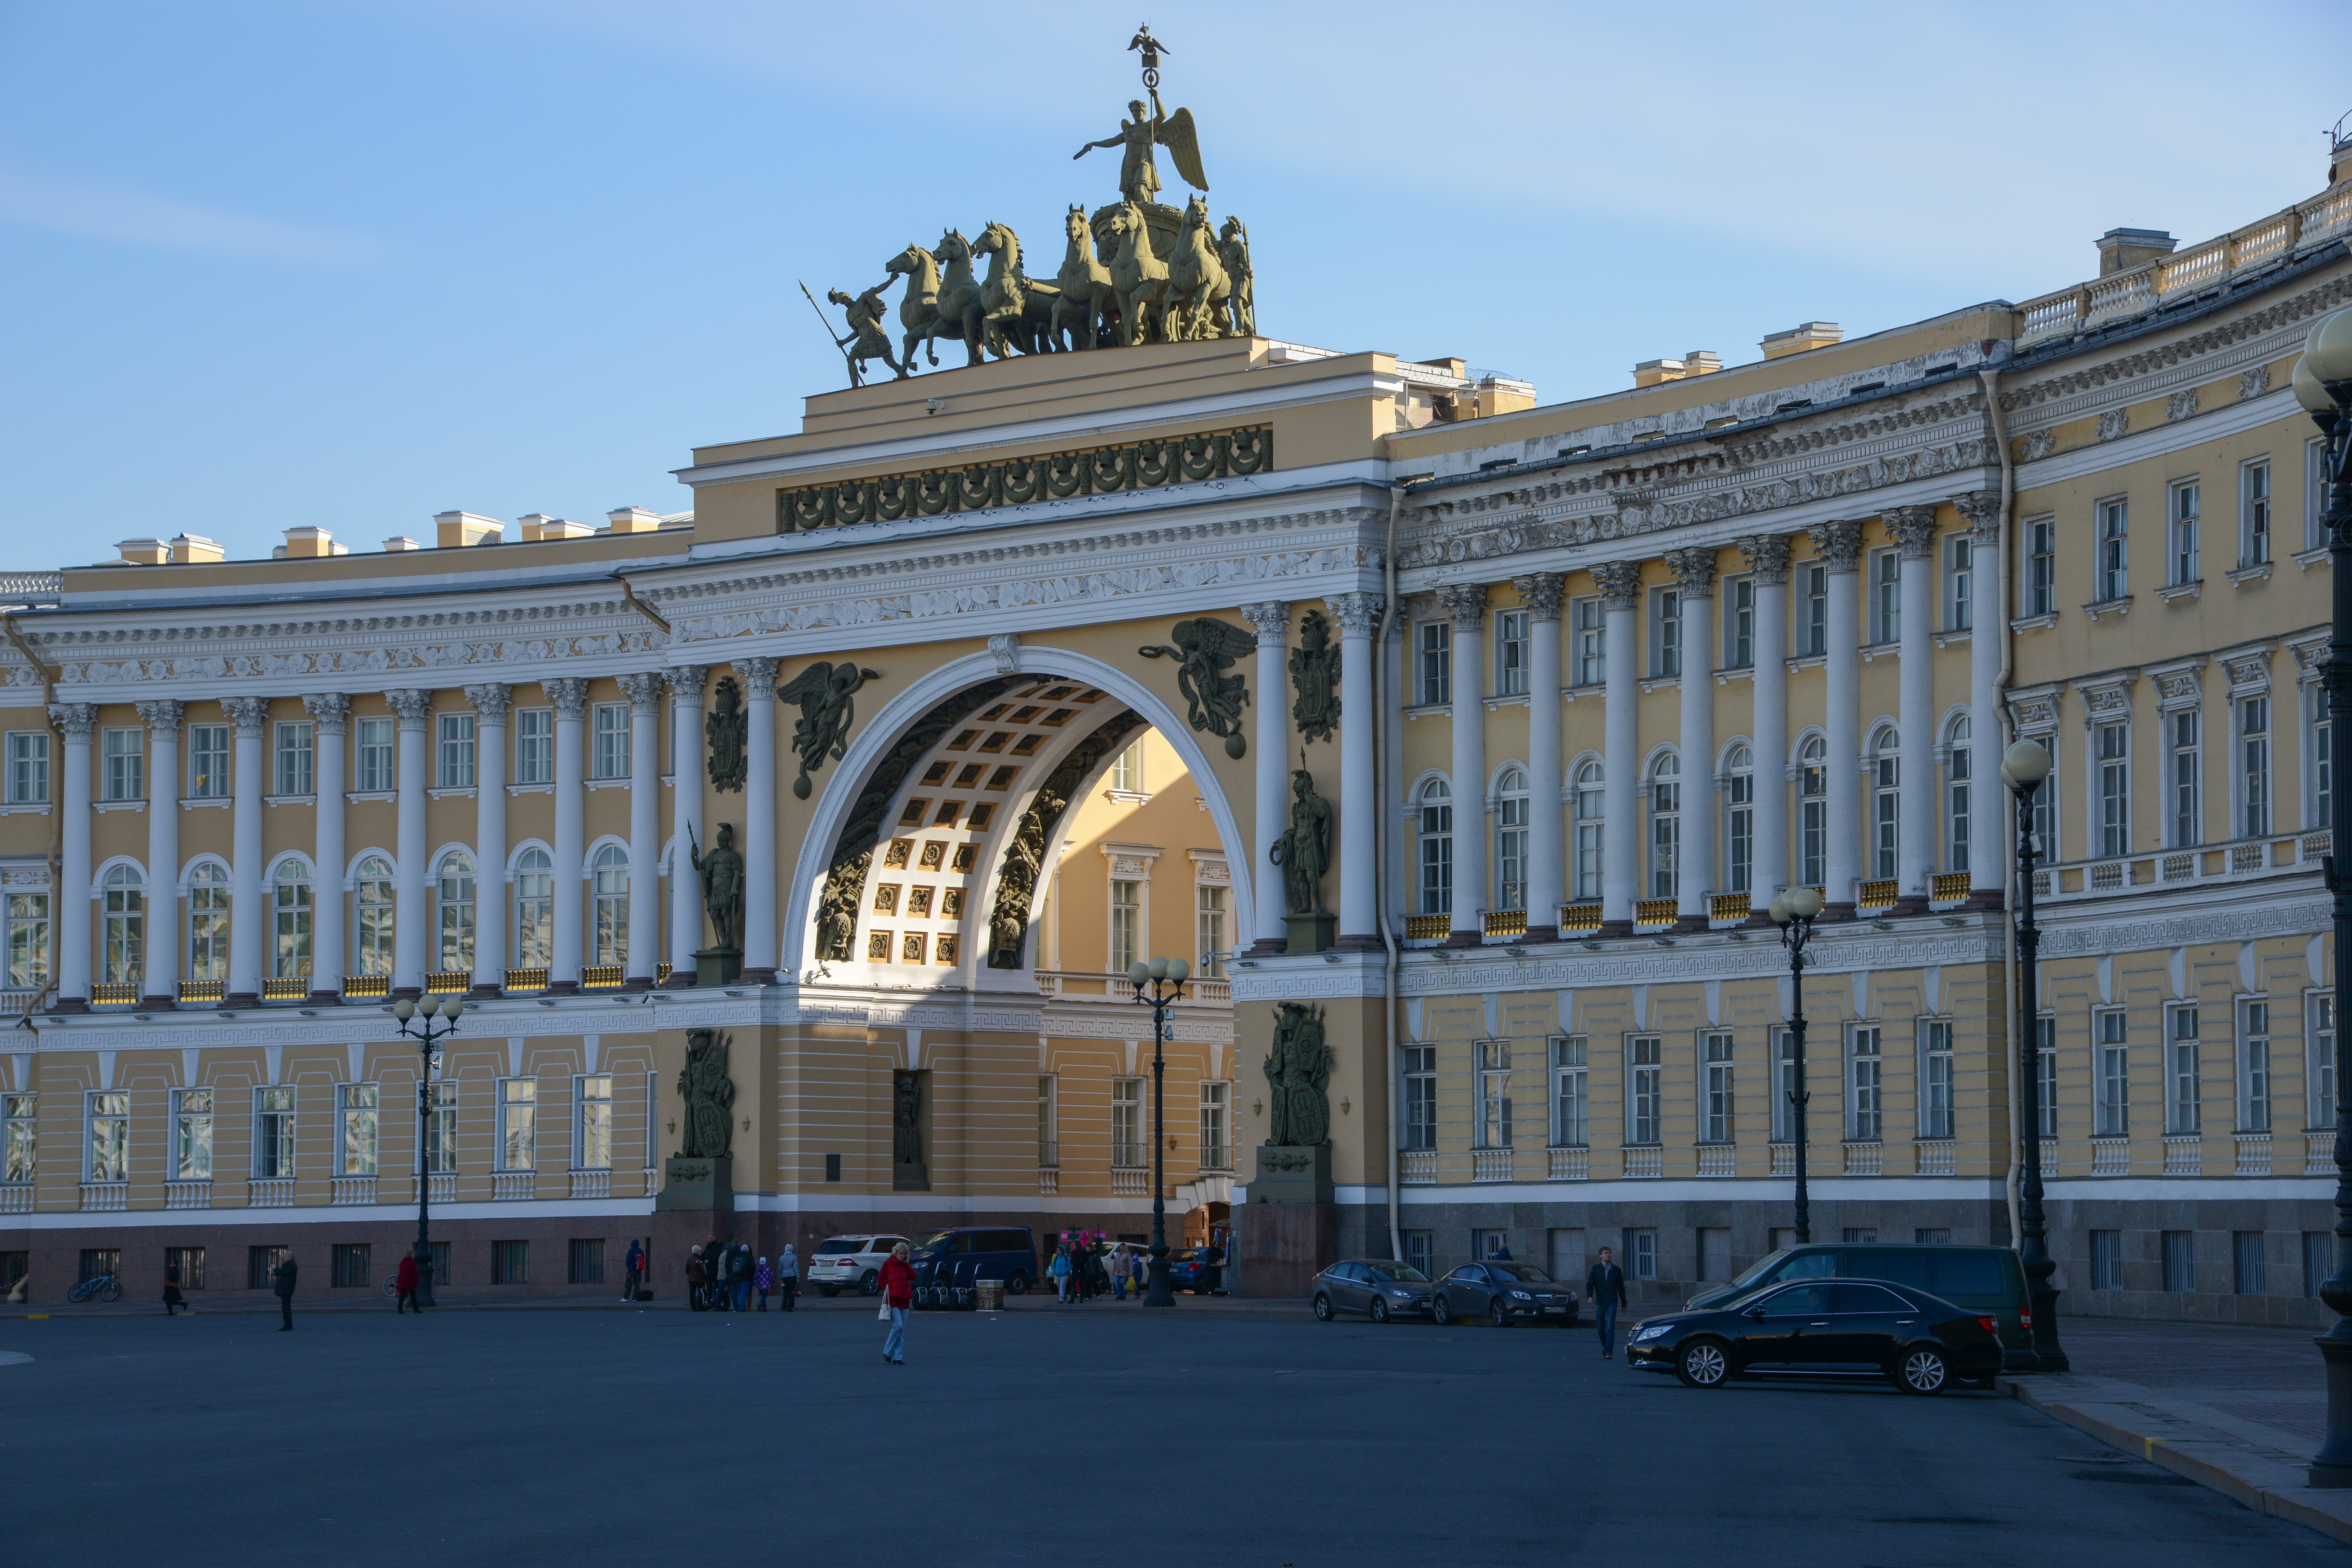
739,1274
898,1296
788,1280
1139,1278
281,1279
172,1297
1119,1272
1604,1286
1060,1270
763,1279
1212,1262
633,1268
698,1282
403,1282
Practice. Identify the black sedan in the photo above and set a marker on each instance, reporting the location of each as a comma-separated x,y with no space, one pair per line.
1825,1328
1502,1292
1373,1286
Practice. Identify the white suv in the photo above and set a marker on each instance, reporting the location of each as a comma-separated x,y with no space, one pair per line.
849,1263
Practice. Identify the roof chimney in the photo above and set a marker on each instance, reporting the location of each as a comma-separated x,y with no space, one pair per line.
2121,249
306,543
144,552
631,519
539,525
194,547
402,541
1701,362
1801,337
463,528
1651,372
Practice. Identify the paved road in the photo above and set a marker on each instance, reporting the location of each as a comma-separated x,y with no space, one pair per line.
515,1437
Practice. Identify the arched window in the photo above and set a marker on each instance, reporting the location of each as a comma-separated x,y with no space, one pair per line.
1813,812
1511,840
1886,805
454,886
1665,823
534,909
611,870
1437,810
371,931
207,922
1738,819
289,916
124,910
1589,800
1955,798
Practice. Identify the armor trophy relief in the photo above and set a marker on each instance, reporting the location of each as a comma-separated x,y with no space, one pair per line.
1134,271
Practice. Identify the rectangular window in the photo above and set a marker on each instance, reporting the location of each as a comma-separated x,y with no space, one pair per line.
1959,583
2184,786
2318,1260
1569,1102
586,1260
1958,763
1127,1143
1511,843
2254,1065
2183,1115
2045,1076
1641,1254
1740,623
1936,1077
273,1134
2323,767
1644,1076
20,1136
123,776
2254,513
1887,813
518,1124
1859,1235
1666,831
510,1263
349,1262
2186,507
1886,596
2046,815
592,1138
355,1106
1420,1096
1665,631
1784,1087
534,731
2315,493
2179,1261
2254,767
109,1137
28,768
296,751
1420,1253
192,1136
28,941
1511,653
441,1129
1815,633
2107,1260
2114,1070
1125,924
261,1265
1437,650
1714,1087
187,1263
1739,828
1216,1145
1436,853
2114,743
454,752
1485,1244
209,767
1865,1069
1211,943
1049,1154
100,1262
1813,815
611,721
2319,1056
2246,1263
1494,1094
2111,557
1589,617
377,772
1127,770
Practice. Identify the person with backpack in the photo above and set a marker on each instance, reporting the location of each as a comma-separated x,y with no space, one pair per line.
281,1279
633,1270
1060,1270
1604,1286
739,1274
698,1282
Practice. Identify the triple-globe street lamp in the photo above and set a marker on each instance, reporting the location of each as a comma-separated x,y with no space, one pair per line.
449,1009
1159,984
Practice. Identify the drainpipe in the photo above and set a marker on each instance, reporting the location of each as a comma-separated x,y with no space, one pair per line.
56,807
1381,828
638,604
1990,380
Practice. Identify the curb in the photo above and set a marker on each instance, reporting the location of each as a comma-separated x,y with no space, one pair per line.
2168,1455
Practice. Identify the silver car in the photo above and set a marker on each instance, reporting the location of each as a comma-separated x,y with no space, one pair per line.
1375,1287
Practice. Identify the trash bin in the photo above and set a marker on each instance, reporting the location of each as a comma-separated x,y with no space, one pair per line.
991,1294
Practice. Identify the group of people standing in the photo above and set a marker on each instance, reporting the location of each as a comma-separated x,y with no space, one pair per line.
1080,1273
724,1276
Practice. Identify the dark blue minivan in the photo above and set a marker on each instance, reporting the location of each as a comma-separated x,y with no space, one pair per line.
956,1258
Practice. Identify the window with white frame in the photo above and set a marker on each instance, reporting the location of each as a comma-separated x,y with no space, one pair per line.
2111,1066
1958,764
372,908
208,926
534,730
1436,836
534,909
122,773
1715,1086
2254,1064
1216,1146
1126,924
1886,596
1209,930
1665,632
1665,823
1863,1084
28,941
2038,574
610,754
441,1129
1127,770
592,1138
1127,1145
1511,653
609,930
518,1123
1570,1102
378,769
2315,493
192,1136
2319,1059
122,903
2321,812
1740,621
356,1110
1436,647
1936,1077
1813,812
2113,750
2186,509
1738,819
289,919
2183,1113
1420,1064
1494,1094
1813,631
2111,550
1511,840
296,757
2253,766
2046,815
1591,819
1588,620
1886,806
2255,512
2184,779
20,1136
1644,1088
108,1137
1785,1087
29,768
454,751
208,761
1959,582
453,897
273,1134
2045,1074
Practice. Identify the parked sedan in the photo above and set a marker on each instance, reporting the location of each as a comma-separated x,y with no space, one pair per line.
1502,1292
1923,1343
1373,1286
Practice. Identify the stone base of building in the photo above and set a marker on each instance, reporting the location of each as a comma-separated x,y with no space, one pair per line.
1278,1247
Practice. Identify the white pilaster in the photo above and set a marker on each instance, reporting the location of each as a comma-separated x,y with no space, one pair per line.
570,696
412,935
1840,545
1767,564
1547,764
162,982
77,721
1989,614
1357,615
249,916
493,903
1466,603
686,817
1270,932
1621,587
760,954
1914,528
644,692
330,716
1694,866
1402,899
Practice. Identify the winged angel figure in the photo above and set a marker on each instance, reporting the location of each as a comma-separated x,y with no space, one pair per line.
1206,651
1138,175
822,691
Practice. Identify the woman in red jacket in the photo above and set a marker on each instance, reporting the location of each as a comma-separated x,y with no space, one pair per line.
897,1281
404,1280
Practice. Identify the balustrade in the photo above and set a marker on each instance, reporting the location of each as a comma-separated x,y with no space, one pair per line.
1865,1159
187,1195
1938,1157
1571,1163
596,1184
2110,1157
274,1193
1492,1165
1717,1160
355,1189
1644,1162
508,1187
2184,1156
1419,1168
2253,1154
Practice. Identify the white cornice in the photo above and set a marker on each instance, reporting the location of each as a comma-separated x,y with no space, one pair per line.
2229,419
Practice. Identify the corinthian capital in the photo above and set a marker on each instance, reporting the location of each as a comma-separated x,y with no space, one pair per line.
1694,569
415,707
686,684
162,714
1914,528
1541,590
1619,582
1359,614
331,710
247,713
1839,544
490,701
78,719
1466,603
570,695
1272,619
644,692
759,676
1982,508
1768,556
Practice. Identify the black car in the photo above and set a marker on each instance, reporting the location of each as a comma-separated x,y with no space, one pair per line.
1503,1292
1373,1286
1825,1328
955,1260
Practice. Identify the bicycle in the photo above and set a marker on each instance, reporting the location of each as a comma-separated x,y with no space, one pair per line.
105,1286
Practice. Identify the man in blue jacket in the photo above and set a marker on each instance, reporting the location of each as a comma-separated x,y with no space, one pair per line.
1604,1286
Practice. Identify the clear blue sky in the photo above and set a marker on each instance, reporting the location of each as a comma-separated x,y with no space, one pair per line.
351,264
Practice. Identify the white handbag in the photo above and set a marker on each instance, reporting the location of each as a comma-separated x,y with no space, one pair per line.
884,1315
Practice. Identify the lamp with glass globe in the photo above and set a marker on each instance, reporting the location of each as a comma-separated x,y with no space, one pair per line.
449,1009
1159,984
1794,909
2024,767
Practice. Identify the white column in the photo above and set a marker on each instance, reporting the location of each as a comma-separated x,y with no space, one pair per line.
1989,614
162,986
1840,546
411,936
1403,898
1914,528
493,904
1621,840
77,721
248,911
1694,866
759,848
570,695
1466,603
1357,615
685,681
331,713
1547,764
1767,564
1269,930
644,692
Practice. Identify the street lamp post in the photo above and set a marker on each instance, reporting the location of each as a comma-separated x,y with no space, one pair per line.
1794,909
1157,985
2022,768
2322,384
428,1041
